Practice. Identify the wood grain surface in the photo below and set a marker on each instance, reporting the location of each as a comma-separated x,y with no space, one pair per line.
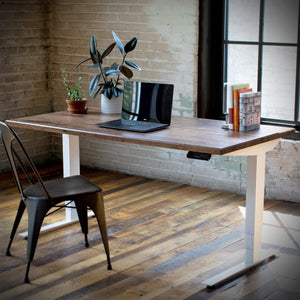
191,134
165,239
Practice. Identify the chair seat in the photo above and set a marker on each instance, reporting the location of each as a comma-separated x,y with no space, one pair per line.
62,188
39,198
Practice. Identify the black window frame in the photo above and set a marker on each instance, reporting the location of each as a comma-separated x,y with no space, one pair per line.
260,43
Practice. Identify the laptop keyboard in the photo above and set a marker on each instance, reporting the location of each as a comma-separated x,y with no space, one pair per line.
131,125
138,124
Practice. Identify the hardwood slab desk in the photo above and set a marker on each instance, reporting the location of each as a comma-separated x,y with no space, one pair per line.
188,134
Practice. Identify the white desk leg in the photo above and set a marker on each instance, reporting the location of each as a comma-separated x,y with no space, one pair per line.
71,164
254,223
254,206
71,156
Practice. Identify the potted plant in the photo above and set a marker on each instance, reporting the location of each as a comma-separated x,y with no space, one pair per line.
107,81
76,102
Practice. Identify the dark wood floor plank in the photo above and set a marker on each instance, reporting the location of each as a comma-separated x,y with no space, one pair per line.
165,239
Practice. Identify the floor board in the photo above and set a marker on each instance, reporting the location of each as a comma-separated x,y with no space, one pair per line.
165,239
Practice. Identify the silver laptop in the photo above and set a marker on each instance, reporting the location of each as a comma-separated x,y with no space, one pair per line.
146,107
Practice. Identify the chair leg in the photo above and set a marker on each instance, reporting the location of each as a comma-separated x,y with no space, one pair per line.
18,218
81,208
98,209
36,214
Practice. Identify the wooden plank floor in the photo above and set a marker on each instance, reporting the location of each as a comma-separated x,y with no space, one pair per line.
165,239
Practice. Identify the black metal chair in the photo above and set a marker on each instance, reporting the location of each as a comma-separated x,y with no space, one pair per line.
40,196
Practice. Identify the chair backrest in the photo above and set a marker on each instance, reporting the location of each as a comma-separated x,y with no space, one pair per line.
16,153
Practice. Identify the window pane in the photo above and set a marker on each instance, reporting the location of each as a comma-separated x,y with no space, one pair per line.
281,21
243,20
242,64
278,82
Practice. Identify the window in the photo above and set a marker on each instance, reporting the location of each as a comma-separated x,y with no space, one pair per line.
261,47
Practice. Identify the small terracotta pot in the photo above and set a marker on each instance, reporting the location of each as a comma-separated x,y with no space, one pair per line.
77,107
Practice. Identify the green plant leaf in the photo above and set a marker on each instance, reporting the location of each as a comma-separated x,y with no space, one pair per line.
112,72
126,72
101,85
131,64
108,50
119,42
130,45
96,57
114,66
117,92
94,66
83,61
93,84
108,93
93,44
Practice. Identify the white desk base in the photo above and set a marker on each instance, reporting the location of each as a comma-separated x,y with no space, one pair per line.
71,166
256,159
255,190
234,273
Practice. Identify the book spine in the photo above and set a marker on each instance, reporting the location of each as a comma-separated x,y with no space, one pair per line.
230,117
230,106
236,120
235,110
235,105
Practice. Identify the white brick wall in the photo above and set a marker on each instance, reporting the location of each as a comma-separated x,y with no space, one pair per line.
39,37
24,70
220,173
283,171
167,46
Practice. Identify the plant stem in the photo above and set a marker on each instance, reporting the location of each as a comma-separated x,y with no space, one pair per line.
102,73
121,67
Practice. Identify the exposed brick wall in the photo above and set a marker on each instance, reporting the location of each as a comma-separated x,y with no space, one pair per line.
39,37
166,50
24,60
220,173
283,171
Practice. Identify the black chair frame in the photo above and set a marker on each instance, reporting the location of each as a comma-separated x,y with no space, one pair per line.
41,196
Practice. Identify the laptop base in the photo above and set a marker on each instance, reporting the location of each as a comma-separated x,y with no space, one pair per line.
130,125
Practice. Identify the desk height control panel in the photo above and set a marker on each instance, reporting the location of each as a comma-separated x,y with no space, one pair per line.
198,155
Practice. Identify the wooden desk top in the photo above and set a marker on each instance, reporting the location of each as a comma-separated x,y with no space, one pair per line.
191,134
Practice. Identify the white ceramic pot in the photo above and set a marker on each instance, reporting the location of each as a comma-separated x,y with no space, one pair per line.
111,106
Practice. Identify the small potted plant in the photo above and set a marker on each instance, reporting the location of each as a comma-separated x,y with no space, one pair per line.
76,102
107,81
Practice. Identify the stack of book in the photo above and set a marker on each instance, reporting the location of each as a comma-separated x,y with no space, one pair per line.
250,107
243,107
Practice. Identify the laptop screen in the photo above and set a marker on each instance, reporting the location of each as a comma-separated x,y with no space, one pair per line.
144,101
